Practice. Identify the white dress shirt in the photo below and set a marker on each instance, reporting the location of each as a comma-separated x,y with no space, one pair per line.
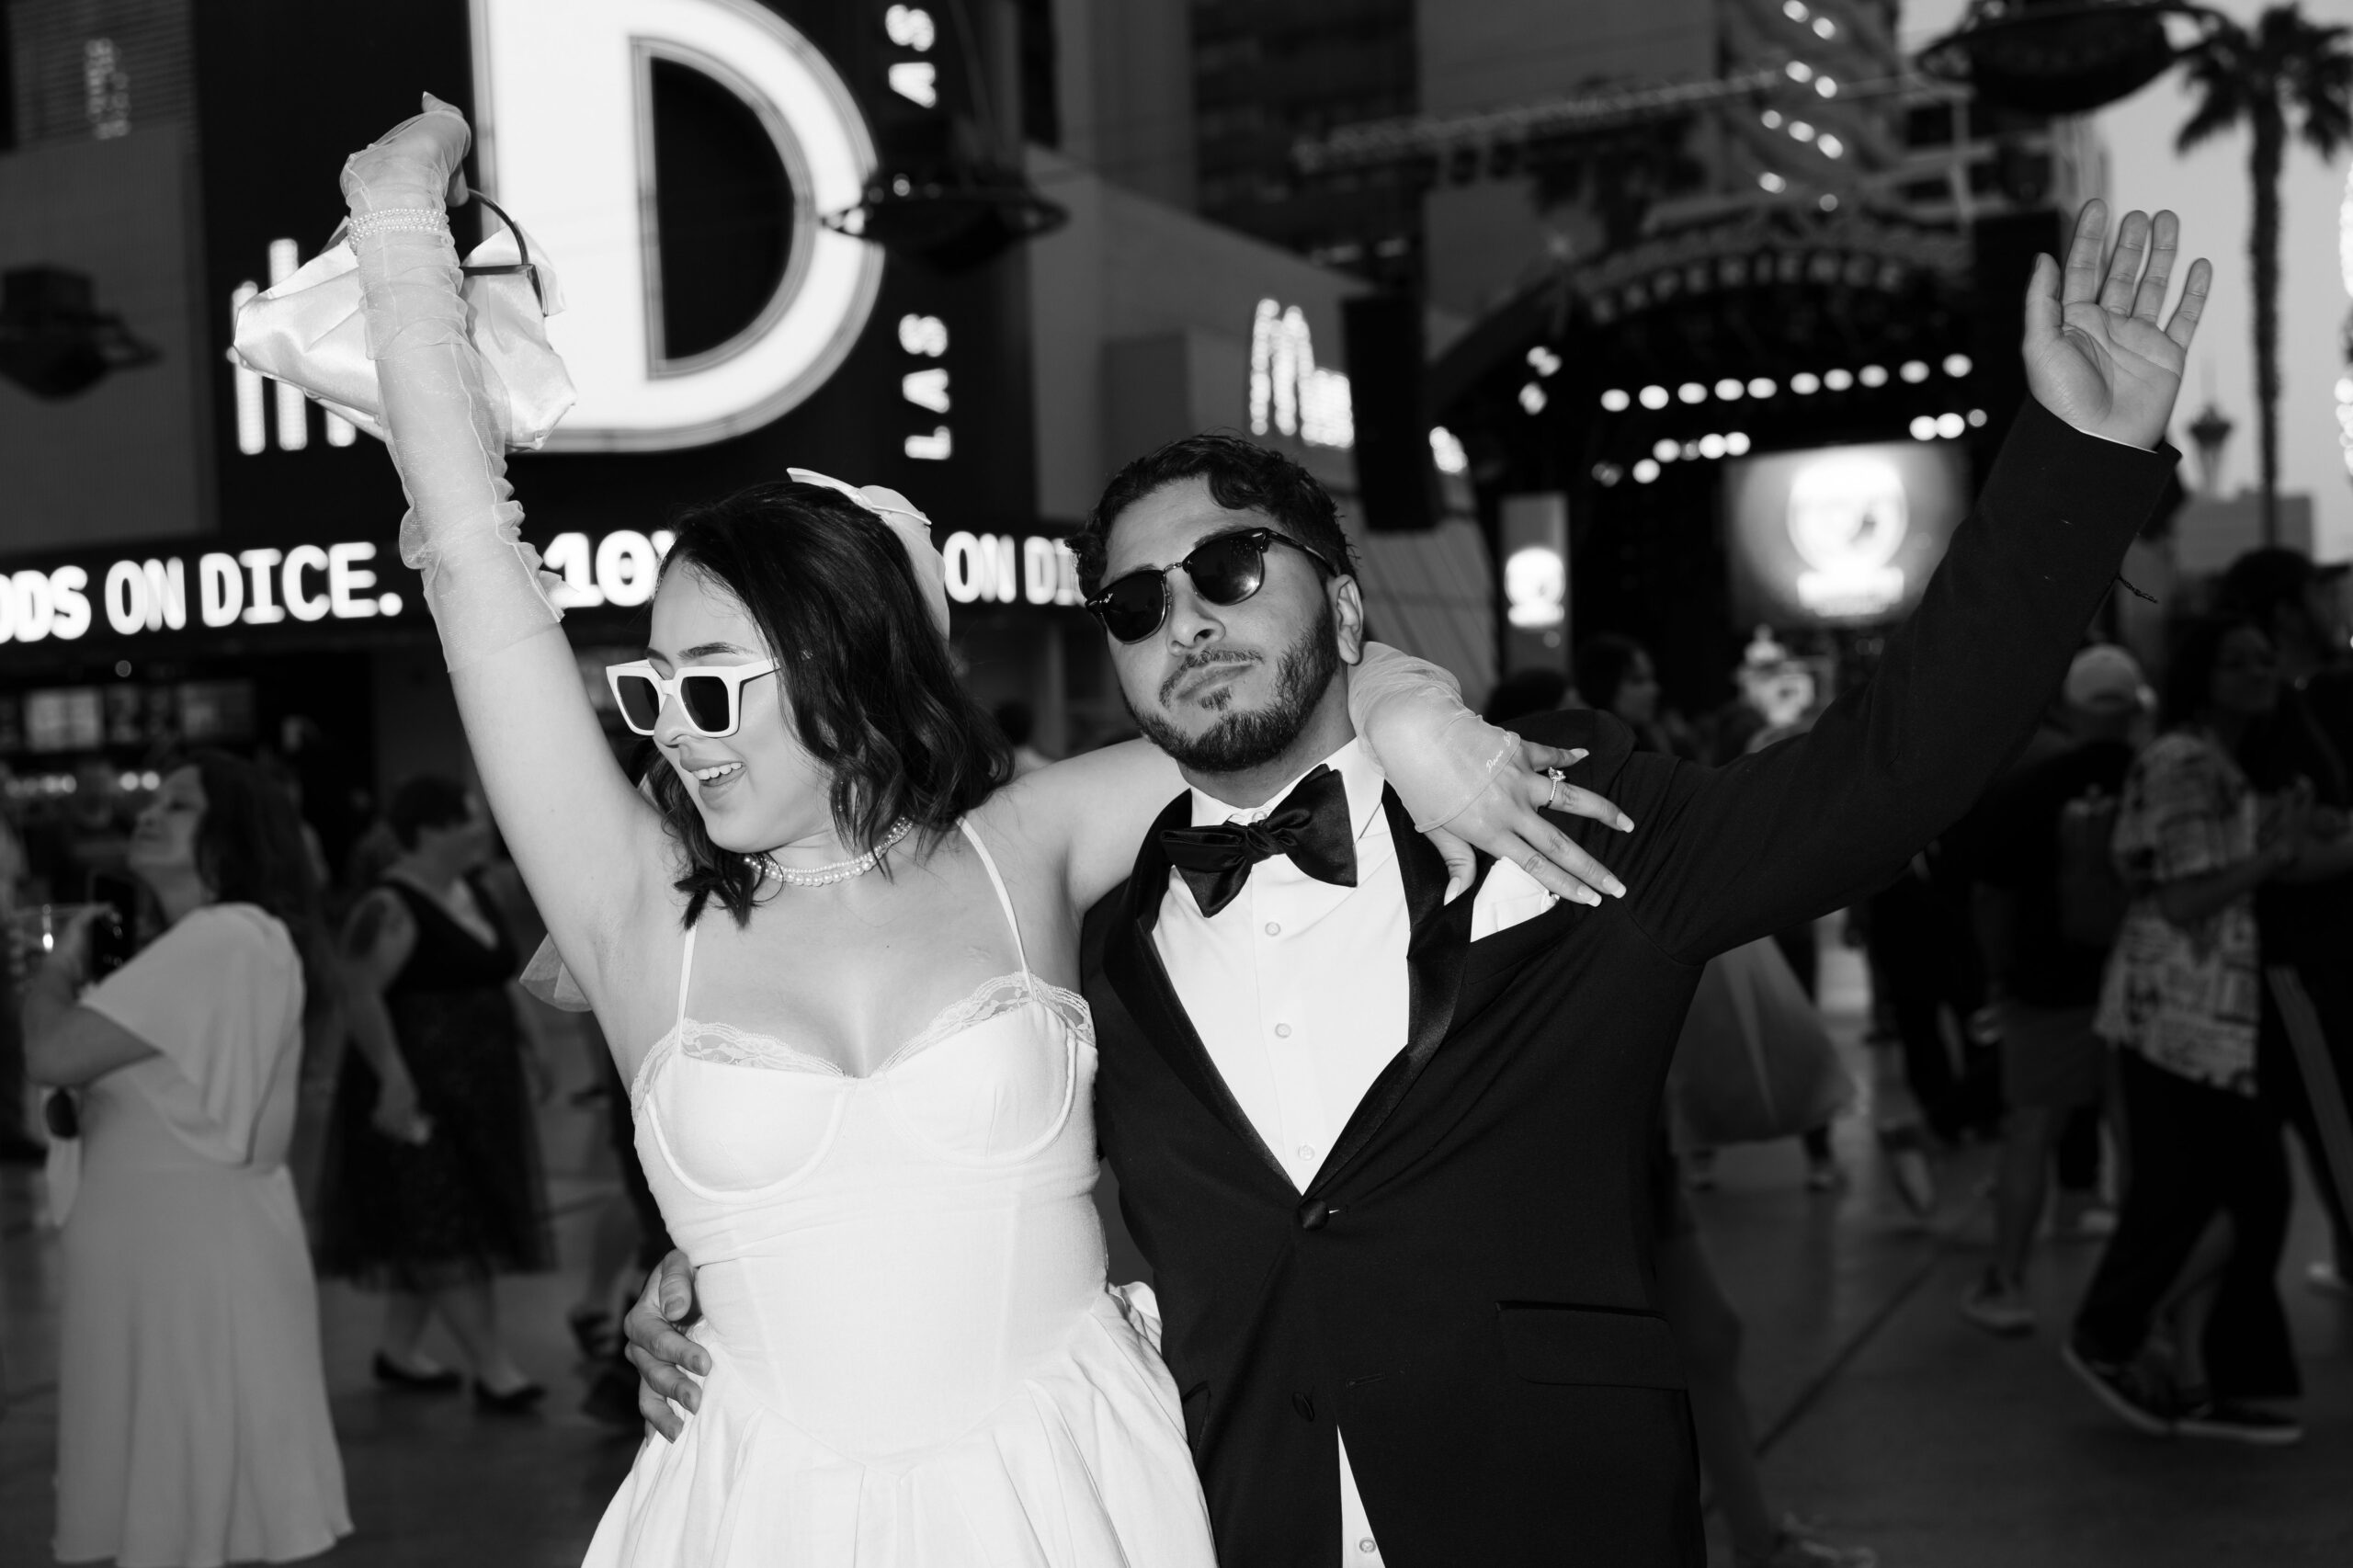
1298,991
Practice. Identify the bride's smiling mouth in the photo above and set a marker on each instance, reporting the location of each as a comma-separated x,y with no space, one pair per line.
712,779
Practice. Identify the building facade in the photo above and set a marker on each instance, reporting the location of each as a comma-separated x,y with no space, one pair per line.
190,554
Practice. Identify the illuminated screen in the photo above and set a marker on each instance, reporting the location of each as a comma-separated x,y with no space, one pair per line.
67,720
216,710
1839,535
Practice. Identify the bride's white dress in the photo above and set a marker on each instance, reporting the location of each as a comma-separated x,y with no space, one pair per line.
915,1359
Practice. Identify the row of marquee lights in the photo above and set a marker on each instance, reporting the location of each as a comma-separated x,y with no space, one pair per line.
1732,389
1948,427
1825,86
260,586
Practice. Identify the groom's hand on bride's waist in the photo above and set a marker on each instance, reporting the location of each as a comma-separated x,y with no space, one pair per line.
660,1353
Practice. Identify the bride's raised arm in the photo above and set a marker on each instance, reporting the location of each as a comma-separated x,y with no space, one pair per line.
592,850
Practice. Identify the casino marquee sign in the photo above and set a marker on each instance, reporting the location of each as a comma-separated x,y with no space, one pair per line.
694,171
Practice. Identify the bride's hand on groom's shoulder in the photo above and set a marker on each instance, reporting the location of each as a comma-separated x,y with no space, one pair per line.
1505,820
660,1353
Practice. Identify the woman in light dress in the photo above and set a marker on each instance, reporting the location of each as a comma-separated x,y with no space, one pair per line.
192,1409
835,955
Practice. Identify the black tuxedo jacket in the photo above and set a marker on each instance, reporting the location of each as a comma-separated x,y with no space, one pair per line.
1466,1288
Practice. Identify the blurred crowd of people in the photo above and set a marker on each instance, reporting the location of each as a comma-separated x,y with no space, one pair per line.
2126,967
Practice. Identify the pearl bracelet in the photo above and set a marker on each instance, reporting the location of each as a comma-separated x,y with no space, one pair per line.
399,220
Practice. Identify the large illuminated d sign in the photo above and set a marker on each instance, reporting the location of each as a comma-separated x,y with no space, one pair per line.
563,112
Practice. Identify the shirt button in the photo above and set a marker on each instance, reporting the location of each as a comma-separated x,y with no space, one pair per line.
1274,928
1305,1404
1368,1544
1282,1031
1307,1150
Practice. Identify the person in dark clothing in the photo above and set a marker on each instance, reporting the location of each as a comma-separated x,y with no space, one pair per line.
2205,1214
2307,927
432,1185
2047,919
1917,929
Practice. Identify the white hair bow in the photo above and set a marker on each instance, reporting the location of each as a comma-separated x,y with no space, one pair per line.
913,528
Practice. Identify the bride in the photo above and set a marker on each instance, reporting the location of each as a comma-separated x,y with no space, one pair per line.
834,954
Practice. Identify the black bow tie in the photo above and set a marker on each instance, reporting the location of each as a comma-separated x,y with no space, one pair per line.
1310,827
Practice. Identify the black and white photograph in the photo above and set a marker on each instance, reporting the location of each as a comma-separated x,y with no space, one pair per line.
1177,783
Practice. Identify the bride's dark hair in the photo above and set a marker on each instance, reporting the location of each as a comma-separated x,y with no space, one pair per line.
865,674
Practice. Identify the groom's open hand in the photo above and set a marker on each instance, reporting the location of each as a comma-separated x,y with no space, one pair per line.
662,1355
2095,353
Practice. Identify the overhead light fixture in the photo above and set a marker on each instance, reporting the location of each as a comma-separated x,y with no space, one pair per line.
954,218
2061,56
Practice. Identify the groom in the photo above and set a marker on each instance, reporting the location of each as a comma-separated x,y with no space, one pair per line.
1386,1153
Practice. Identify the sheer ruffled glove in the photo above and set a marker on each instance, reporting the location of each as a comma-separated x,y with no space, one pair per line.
1470,784
441,420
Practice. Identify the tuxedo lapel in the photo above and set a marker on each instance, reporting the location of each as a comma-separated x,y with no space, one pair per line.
1434,959
1132,964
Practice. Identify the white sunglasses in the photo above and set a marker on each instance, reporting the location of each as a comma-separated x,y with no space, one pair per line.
710,696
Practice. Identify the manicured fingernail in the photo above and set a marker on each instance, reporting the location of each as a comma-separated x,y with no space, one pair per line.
1617,889
1625,822
1578,754
1586,895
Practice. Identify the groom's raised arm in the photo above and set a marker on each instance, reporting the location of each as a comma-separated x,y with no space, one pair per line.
1721,855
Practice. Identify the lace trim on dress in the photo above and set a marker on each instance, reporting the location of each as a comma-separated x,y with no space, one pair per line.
1003,994
741,1048
721,1042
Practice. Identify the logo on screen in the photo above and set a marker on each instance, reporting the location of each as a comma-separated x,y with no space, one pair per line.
1847,516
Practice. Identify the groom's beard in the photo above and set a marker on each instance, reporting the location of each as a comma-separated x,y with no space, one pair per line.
1238,742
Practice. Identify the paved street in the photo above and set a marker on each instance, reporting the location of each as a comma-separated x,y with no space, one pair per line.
1888,1419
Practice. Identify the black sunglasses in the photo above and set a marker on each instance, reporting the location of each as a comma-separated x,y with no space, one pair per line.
1223,570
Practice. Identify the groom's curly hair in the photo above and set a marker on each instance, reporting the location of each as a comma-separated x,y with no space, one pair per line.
1243,477
862,672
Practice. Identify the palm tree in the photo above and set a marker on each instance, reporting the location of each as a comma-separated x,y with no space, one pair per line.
2284,66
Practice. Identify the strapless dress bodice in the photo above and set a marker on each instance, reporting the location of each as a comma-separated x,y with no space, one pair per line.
882,1259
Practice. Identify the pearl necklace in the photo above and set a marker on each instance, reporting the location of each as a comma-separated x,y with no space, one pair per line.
839,872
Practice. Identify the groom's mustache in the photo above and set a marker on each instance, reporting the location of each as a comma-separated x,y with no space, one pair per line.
1193,662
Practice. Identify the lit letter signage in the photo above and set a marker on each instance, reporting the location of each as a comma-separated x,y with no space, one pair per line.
1004,570
561,96
141,596
1288,390
221,589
